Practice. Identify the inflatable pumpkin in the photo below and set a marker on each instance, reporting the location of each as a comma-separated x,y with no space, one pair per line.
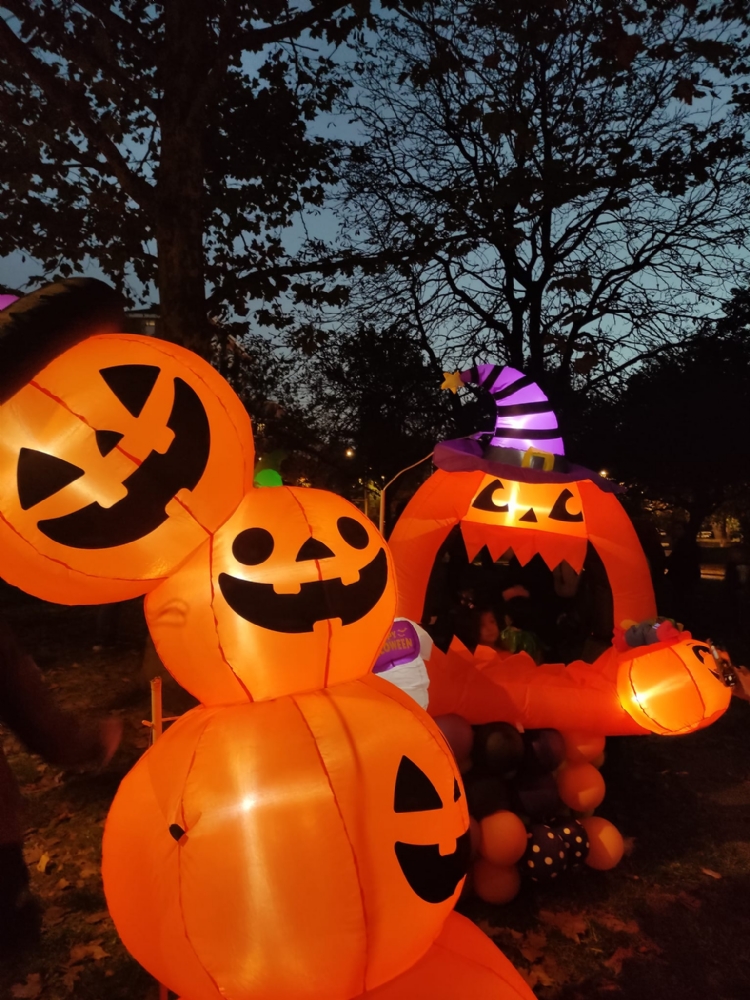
306,836
121,451
293,592
346,795
506,492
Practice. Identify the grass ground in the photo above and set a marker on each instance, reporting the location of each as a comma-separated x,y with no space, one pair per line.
671,922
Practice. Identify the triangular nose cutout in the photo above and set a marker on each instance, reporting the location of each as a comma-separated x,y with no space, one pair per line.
528,516
313,549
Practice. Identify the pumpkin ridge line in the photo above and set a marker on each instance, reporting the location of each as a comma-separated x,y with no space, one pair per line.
179,861
345,829
216,620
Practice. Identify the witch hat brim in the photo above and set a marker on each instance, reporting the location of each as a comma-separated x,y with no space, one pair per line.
37,328
526,444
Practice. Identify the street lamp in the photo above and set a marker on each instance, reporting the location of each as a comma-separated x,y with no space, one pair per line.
381,516
349,452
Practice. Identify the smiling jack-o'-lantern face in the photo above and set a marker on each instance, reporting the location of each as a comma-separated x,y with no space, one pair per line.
557,520
256,889
294,592
116,460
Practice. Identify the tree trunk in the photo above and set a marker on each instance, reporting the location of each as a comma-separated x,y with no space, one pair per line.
179,191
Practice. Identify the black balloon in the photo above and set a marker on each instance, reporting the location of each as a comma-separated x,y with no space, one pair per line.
545,856
485,794
498,748
544,750
575,840
535,796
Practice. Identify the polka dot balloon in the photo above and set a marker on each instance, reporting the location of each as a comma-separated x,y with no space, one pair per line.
575,840
545,857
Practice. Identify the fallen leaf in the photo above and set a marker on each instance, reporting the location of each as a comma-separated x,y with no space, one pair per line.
613,923
570,925
32,855
533,945
88,870
710,872
615,962
29,990
80,952
688,901
43,862
63,884
53,915
94,918
71,976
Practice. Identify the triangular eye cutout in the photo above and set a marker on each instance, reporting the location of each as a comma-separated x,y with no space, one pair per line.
414,790
40,476
107,440
456,791
132,384
560,512
528,516
484,500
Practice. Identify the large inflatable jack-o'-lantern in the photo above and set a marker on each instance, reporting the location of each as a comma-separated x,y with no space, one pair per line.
513,489
304,832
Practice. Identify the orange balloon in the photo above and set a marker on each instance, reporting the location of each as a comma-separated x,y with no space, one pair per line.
581,747
495,883
581,786
304,846
503,838
294,592
117,459
672,689
606,845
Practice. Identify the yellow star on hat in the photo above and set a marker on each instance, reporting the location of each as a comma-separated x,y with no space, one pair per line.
452,381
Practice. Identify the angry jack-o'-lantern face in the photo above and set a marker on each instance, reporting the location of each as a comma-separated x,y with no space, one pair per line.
359,873
294,592
556,520
116,460
547,518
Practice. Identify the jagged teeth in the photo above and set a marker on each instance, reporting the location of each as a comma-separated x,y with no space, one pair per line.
554,548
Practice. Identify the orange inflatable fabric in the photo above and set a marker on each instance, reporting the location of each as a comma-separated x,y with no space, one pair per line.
304,834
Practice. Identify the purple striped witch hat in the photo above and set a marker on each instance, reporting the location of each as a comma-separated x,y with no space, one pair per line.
526,443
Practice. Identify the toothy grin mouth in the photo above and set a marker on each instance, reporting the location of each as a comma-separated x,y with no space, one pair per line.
432,875
259,604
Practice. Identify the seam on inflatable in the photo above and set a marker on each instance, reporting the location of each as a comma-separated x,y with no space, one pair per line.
346,834
326,668
476,962
179,863
79,572
216,620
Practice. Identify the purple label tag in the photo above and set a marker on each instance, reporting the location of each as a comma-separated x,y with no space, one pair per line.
401,646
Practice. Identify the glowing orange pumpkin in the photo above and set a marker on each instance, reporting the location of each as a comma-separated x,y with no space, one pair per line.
294,592
672,688
309,846
116,460
554,519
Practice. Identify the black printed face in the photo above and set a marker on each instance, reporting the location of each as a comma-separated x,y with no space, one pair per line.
433,876
149,488
350,575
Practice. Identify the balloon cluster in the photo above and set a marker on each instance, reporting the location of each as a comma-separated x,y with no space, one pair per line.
531,798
